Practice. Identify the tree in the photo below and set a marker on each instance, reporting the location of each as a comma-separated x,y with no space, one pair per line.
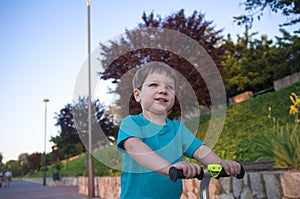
65,148
34,161
287,56
138,52
249,64
67,126
288,8
254,64
1,158
73,121
103,128
23,163
13,166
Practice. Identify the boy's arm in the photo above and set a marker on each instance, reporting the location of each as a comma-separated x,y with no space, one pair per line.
145,156
207,156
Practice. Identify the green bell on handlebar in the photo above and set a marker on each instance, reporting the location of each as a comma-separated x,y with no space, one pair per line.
214,170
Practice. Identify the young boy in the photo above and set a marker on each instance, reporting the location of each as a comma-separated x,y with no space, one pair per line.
151,143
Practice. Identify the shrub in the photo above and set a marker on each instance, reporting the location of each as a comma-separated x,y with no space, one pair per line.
281,146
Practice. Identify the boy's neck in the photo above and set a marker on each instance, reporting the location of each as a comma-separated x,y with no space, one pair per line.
156,119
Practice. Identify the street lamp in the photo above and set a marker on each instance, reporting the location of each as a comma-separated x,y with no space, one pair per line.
91,188
44,178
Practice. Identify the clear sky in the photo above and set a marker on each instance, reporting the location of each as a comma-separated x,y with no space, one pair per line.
44,45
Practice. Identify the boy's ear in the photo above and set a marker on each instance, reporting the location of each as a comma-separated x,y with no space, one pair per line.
136,94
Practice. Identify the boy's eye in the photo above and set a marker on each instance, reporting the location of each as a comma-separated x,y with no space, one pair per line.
169,87
153,85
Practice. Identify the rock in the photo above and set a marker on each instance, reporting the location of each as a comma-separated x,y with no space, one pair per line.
237,185
272,185
225,185
290,183
257,187
225,196
246,193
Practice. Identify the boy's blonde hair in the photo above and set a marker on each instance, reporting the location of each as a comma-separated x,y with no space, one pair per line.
149,68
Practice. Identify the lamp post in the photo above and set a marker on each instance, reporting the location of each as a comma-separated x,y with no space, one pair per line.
44,177
91,188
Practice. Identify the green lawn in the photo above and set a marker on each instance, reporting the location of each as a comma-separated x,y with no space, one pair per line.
243,121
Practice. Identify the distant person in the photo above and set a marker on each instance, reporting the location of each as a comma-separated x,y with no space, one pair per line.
1,178
8,178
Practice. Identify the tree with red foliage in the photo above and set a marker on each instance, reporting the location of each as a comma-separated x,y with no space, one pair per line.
137,51
34,161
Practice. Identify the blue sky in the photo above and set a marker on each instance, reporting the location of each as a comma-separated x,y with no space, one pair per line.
44,45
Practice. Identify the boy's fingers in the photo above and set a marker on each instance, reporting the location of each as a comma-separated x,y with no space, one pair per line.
226,166
190,170
234,168
194,170
237,169
231,168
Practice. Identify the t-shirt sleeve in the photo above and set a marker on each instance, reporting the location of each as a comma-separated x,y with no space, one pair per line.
190,142
128,128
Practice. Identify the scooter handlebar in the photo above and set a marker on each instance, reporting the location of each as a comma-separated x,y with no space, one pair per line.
175,174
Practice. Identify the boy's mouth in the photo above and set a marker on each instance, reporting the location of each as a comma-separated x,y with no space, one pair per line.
161,99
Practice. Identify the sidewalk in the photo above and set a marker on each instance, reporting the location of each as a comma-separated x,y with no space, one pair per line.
20,189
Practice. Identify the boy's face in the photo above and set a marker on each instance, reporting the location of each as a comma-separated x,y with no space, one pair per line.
157,94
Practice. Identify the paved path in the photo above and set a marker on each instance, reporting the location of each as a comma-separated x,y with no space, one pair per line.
20,189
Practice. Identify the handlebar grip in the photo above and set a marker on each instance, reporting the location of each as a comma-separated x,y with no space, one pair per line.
224,174
175,174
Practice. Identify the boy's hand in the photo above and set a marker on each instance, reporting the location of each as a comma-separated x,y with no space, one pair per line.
232,168
189,169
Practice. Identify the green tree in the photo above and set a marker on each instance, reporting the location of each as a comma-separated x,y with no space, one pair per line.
286,57
256,8
13,166
23,163
65,149
1,158
68,141
248,63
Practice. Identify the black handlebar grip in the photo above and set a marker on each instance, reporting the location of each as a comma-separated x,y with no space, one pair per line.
224,174
175,174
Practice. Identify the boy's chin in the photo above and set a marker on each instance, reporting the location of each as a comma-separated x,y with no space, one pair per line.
158,112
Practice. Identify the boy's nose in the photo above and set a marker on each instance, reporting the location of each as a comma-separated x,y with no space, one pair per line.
162,89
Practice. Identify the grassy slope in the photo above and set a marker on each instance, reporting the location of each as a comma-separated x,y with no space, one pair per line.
243,120
250,118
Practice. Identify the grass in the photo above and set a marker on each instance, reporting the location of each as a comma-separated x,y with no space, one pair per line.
243,122
78,166
249,119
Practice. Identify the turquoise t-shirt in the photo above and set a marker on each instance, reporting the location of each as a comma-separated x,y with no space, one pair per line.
170,141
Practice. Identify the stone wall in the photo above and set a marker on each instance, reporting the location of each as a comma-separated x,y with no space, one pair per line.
268,185
65,181
291,79
105,187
